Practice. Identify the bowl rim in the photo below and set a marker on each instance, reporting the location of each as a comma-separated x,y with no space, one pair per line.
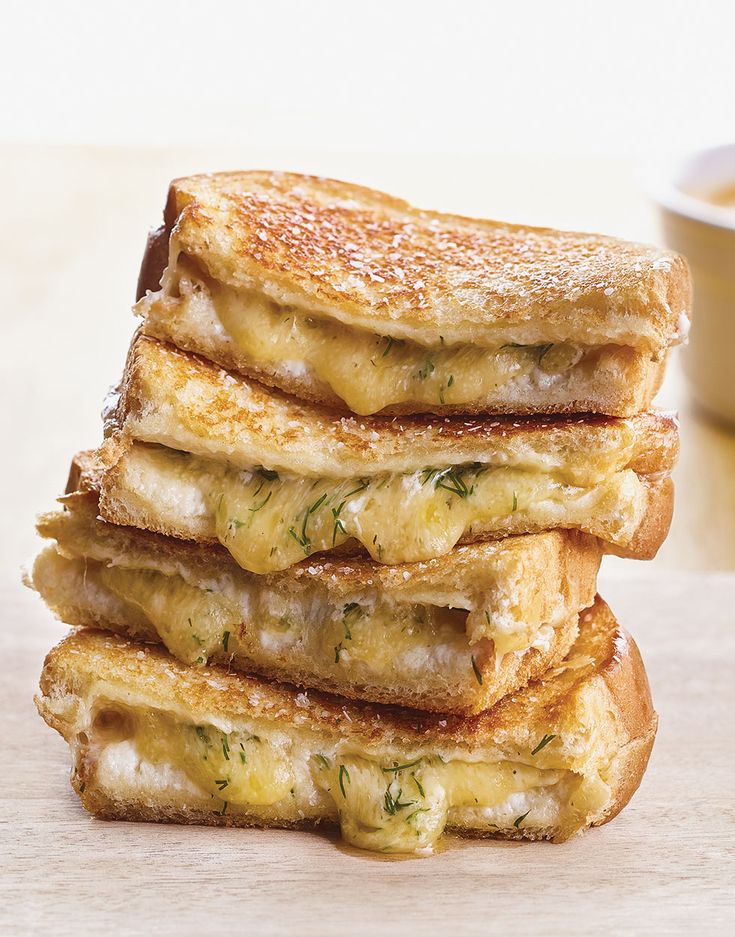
664,187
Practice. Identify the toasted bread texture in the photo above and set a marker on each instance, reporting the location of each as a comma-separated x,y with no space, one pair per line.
580,738
376,266
378,633
184,402
606,476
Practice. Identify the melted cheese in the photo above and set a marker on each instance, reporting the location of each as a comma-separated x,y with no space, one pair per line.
189,621
389,804
269,522
377,641
367,371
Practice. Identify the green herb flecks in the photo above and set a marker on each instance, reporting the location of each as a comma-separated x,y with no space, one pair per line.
303,539
262,503
419,786
322,759
393,804
226,640
222,783
409,764
338,524
225,748
427,369
343,773
518,820
390,342
515,502
478,675
451,480
543,743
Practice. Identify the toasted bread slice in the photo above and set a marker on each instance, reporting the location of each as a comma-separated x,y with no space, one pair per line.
449,635
198,453
153,739
346,297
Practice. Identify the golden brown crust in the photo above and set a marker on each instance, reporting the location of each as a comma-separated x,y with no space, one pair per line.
120,503
520,719
622,385
178,400
550,562
436,695
597,699
376,262
545,578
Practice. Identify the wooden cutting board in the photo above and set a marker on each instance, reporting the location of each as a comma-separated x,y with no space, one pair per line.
663,867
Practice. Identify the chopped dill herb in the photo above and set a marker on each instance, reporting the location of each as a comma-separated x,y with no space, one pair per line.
225,804
409,764
243,758
450,381
304,544
478,675
543,743
317,503
322,759
262,503
419,785
451,480
427,369
338,524
542,349
225,640
515,502
393,804
222,783
343,773
391,342
267,474
225,747
518,820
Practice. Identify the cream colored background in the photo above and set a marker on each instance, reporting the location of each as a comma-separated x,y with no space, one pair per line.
534,112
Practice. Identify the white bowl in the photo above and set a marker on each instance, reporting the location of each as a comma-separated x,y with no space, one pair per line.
705,234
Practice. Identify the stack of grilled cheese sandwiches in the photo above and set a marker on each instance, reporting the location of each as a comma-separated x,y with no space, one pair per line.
335,560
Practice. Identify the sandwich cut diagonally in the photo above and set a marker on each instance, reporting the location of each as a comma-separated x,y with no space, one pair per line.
452,634
154,739
347,297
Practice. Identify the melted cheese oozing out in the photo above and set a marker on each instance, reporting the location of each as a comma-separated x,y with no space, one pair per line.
269,522
367,371
379,641
190,621
395,805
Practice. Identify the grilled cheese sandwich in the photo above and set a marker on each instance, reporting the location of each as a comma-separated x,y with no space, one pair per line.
347,297
450,635
198,454
154,740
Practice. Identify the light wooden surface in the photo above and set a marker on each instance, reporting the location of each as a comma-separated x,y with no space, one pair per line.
74,226
663,867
